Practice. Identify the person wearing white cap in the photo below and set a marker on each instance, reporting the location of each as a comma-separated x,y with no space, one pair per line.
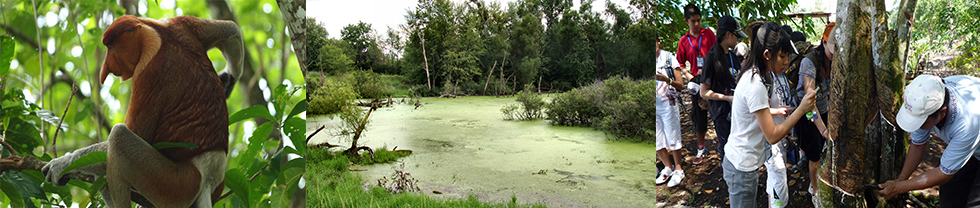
948,107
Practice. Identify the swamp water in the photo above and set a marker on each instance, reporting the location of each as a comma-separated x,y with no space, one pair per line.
462,146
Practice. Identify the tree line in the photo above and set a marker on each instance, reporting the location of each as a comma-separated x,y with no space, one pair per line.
485,48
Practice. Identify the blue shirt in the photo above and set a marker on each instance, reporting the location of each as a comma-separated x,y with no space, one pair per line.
962,129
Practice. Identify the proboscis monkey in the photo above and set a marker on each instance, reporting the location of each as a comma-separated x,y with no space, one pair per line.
177,97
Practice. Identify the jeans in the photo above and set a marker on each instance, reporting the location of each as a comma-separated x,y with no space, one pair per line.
742,186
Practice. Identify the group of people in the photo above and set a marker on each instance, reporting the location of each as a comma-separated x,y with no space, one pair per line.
744,105
758,95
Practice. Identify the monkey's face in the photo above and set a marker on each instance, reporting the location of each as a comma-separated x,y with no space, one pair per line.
130,44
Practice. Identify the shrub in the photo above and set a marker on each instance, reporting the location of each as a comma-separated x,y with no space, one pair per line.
578,107
371,85
529,105
629,108
331,97
621,106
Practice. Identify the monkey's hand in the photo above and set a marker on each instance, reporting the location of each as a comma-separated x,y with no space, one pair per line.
53,170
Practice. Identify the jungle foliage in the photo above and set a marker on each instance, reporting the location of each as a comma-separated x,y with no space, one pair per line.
50,56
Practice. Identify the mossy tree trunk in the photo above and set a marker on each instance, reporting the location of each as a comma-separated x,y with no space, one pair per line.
867,81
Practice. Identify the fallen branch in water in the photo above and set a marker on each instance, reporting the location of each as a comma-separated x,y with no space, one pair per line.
314,133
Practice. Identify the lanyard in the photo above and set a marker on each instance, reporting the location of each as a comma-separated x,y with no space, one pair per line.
784,87
732,67
692,44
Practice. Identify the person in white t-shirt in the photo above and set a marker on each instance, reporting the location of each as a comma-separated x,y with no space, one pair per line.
948,107
668,116
753,128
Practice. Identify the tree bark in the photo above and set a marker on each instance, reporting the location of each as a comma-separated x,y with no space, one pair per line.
294,13
426,59
867,81
487,83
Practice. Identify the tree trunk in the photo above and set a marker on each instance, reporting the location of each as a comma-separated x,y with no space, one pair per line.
487,83
867,79
426,59
294,14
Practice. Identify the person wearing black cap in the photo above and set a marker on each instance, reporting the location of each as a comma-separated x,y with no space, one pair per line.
753,128
718,79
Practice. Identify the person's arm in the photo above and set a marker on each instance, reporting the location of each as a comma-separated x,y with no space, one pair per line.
958,152
775,133
780,111
810,86
930,178
706,93
708,75
678,81
912,159
687,74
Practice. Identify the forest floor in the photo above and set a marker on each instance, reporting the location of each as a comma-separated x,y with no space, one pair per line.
703,185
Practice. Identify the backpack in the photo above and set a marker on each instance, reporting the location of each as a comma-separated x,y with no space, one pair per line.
672,93
792,72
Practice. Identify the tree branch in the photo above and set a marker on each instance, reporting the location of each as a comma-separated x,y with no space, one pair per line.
65,78
31,163
21,36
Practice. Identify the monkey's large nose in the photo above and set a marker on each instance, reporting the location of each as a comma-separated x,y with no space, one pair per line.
103,75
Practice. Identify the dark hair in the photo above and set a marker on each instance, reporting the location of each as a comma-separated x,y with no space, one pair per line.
798,36
787,28
821,58
720,36
691,10
765,36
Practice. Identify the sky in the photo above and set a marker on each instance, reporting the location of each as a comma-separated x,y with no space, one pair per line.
381,14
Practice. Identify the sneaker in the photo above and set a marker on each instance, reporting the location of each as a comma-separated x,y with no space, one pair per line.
814,198
675,178
699,157
664,175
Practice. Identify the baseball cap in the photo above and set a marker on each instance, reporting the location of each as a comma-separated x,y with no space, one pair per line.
827,31
830,38
729,23
923,96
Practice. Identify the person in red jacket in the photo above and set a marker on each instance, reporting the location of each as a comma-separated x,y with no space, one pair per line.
691,50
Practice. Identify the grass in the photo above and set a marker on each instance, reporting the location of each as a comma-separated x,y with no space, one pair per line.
331,184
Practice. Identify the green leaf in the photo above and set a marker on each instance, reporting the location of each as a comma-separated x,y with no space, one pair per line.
87,159
12,193
26,187
165,145
295,128
84,114
290,177
298,108
237,182
251,112
279,99
6,53
97,186
49,117
255,143
293,169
